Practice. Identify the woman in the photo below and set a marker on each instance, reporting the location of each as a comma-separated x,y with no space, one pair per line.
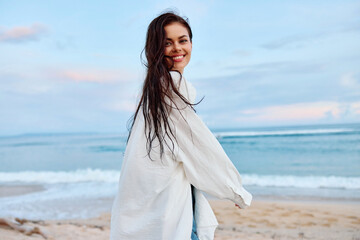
169,150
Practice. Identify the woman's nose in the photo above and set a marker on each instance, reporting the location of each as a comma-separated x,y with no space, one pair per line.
177,47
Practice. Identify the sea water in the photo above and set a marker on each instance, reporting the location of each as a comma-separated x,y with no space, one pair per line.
80,171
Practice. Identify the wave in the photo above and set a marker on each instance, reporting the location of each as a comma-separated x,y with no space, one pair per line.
112,176
284,132
51,177
302,181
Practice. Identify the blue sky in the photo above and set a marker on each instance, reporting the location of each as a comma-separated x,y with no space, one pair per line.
74,66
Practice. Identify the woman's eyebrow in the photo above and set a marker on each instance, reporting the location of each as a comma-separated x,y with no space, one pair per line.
178,37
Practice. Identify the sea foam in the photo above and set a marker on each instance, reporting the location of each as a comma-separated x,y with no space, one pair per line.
284,132
302,181
51,177
112,176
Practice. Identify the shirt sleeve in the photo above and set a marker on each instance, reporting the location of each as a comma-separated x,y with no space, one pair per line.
205,162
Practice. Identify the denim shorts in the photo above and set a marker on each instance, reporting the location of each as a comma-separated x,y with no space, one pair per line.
193,233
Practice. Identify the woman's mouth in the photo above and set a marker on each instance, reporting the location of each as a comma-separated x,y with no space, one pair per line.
178,58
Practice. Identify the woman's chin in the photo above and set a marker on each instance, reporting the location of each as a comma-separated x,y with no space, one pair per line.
179,68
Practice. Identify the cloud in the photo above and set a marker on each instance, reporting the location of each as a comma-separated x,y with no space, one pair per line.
105,56
123,106
282,42
241,53
302,112
95,75
270,82
294,67
33,89
299,40
66,43
24,83
349,80
23,33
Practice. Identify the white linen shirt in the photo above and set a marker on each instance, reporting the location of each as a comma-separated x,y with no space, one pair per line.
154,199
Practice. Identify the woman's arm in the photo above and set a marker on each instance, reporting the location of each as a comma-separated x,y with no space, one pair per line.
205,162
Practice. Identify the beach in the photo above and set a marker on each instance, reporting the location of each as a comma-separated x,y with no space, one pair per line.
304,180
262,220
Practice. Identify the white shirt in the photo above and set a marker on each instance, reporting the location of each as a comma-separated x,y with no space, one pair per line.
154,199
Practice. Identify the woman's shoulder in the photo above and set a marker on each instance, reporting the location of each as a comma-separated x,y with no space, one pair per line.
184,87
176,77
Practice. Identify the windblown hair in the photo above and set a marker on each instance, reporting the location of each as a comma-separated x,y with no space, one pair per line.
158,84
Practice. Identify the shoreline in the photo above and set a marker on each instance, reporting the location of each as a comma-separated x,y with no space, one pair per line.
62,202
262,220
21,189
7,190
307,199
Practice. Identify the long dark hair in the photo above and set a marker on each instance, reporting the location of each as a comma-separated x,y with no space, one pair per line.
158,84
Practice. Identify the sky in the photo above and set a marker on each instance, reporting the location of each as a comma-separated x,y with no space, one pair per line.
74,66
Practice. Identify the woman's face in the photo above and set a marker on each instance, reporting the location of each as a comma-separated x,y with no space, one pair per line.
178,45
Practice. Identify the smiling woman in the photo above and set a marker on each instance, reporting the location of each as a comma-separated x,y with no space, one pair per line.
171,156
178,46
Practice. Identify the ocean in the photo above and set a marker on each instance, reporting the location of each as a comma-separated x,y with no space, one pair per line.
75,175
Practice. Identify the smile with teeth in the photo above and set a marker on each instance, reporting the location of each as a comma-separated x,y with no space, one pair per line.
178,57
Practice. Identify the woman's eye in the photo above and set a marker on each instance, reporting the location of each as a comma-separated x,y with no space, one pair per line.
183,41
168,44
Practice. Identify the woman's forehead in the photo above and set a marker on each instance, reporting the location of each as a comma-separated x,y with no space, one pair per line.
176,30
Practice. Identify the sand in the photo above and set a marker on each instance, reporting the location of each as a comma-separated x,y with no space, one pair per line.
15,190
263,220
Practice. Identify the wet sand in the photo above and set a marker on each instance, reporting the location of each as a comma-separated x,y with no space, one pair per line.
263,220
16,190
